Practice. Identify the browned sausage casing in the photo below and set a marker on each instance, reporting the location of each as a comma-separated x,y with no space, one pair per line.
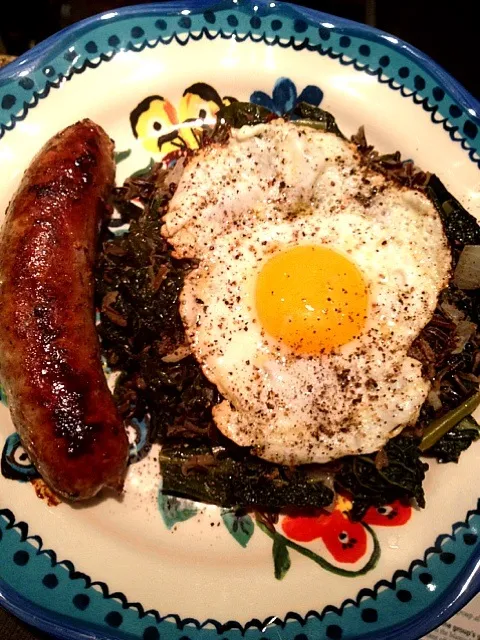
49,352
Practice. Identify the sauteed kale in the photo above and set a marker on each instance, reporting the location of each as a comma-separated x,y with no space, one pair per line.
138,283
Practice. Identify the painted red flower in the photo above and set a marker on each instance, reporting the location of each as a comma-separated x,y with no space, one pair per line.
391,515
344,539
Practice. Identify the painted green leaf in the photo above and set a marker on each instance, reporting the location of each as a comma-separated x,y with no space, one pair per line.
3,397
308,553
142,172
120,156
241,527
281,557
174,510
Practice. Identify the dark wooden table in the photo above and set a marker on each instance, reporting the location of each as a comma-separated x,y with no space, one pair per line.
12,629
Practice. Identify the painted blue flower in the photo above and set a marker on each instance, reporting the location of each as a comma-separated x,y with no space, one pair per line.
285,98
16,464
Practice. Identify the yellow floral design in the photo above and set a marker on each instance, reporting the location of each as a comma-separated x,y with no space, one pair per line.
162,127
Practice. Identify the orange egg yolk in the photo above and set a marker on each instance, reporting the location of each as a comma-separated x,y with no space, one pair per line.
311,299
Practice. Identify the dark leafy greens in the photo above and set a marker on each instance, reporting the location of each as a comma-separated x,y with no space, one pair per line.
138,283
377,482
239,114
461,228
437,429
307,115
453,443
231,477
449,345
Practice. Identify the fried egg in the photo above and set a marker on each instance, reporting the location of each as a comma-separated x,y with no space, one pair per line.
314,277
265,172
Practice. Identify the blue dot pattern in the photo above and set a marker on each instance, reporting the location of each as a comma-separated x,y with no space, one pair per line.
81,601
185,22
50,581
114,619
369,615
21,558
70,55
104,38
151,633
39,572
209,16
470,538
26,83
91,47
334,632
8,101
300,26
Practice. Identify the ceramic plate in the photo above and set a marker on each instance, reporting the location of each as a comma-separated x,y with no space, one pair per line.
147,567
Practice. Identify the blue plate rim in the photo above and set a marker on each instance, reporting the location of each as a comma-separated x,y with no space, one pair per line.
33,59
35,55
418,625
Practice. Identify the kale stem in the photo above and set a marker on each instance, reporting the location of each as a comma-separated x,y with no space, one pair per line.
443,425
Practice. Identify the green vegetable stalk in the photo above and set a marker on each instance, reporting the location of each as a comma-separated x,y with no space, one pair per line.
439,427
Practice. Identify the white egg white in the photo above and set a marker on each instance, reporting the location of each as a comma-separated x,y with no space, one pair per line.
260,174
295,408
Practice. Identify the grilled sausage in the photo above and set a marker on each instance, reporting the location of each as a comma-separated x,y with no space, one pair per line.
49,352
